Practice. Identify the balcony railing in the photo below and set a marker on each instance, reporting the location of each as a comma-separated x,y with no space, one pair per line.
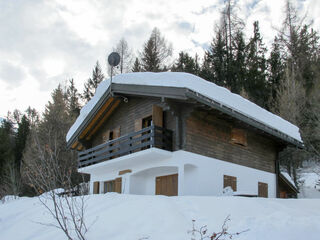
149,137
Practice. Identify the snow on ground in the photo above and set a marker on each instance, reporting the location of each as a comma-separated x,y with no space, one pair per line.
120,217
199,85
309,187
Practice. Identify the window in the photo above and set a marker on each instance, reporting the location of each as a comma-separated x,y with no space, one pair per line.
146,122
113,185
111,135
230,181
262,189
107,136
239,136
96,186
109,186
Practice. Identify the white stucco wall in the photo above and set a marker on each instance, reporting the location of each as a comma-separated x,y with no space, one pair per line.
197,174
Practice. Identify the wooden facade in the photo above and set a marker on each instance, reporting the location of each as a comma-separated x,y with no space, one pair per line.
211,135
204,132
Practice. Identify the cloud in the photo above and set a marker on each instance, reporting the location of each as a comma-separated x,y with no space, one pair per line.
11,74
43,43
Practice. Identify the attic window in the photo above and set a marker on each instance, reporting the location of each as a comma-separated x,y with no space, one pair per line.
239,136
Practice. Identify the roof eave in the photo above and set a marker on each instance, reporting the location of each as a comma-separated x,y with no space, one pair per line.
243,118
294,188
89,117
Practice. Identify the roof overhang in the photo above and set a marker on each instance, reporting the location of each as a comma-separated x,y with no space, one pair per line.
92,122
289,184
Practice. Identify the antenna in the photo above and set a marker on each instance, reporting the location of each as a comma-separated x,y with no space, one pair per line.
113,60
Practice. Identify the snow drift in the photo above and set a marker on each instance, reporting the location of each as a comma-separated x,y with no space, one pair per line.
120,217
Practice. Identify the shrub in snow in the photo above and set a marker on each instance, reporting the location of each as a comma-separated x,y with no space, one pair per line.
9,198
202,232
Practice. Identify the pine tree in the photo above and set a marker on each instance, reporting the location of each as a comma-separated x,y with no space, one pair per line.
239,64
186,63
7,158
222,61
6,144
155,53
92,83
256,83
73,99
20,140
214,64
231,25
275,71
47,141
299,49
136,66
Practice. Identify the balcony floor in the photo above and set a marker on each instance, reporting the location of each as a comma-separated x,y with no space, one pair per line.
145,156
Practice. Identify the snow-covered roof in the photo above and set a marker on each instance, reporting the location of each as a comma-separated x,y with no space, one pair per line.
210,90
289,179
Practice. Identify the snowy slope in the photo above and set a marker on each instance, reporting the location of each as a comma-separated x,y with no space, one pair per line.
119,217
199,85
310,187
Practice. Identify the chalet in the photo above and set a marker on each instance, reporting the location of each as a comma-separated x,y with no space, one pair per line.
177,134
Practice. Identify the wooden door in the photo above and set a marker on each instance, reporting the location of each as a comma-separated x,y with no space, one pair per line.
118,185
167,185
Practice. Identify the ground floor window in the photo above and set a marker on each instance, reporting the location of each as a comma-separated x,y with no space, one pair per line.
113,185
230,181
262,189
109,186
96,187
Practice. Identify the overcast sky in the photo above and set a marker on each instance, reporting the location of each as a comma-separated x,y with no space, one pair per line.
43,43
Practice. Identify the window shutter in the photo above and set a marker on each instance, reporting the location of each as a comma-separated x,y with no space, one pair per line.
96,186
138,124
239,136
116,132
157,116
262,189
105,136
118,185
230,181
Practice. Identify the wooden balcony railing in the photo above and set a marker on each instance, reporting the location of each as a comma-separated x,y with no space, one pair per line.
149,137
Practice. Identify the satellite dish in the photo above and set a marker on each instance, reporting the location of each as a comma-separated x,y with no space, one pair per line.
114,59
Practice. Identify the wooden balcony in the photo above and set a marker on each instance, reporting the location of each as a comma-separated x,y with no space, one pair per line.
149,137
